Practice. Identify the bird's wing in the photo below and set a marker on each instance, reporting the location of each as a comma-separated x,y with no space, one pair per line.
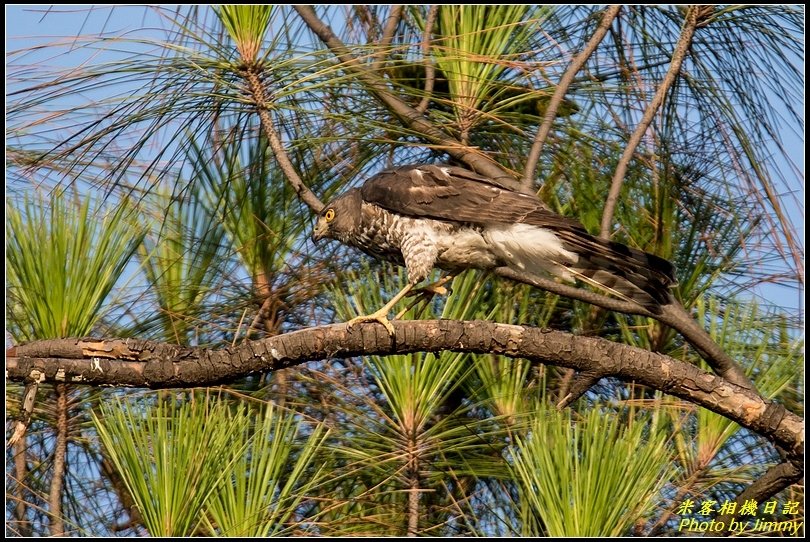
458,195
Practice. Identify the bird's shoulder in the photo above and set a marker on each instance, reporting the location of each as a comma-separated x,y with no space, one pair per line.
455,194
427,182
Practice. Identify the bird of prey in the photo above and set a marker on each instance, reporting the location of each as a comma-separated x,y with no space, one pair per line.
426,216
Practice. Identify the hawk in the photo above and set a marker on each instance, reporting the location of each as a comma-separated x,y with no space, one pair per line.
426,216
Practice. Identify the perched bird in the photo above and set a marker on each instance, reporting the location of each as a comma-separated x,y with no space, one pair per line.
426,216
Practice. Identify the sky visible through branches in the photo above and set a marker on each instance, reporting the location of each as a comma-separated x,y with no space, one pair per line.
53,38
131,103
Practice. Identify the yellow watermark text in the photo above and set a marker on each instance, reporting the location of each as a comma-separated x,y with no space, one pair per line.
741,526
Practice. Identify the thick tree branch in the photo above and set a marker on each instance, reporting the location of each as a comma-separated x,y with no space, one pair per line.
776,479
685,41
559,94
409,116
138,363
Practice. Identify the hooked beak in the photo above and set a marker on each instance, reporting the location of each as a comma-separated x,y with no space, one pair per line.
320,231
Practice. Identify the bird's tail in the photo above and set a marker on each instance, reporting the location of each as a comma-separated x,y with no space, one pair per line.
628,273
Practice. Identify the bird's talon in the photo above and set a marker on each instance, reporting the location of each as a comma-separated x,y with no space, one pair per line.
381,318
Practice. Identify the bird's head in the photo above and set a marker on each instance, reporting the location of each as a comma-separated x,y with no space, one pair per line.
340,218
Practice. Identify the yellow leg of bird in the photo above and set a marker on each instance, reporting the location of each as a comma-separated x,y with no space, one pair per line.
427,293
435,288
381,315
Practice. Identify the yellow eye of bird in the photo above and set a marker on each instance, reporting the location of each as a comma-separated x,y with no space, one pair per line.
329,214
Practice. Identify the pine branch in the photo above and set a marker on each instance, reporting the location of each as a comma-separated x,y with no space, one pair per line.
559,94
682,47
149,364
409,116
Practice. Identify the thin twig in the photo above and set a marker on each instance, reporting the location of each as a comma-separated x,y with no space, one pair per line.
685,41
559,94
264,308
388,36
370,20
430,69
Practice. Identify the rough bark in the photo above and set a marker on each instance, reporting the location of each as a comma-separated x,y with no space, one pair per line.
57,522
139,363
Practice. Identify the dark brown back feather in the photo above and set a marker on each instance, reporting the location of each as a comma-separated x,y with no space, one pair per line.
459,195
